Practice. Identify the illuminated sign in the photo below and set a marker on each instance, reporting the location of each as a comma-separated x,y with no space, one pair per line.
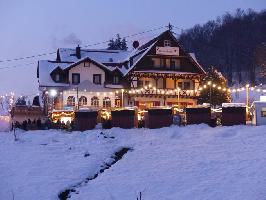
171,51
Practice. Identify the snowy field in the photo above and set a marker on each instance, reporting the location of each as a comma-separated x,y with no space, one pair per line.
193,162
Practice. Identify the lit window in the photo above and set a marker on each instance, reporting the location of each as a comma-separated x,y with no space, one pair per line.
106,102
263,112
82,101
167,43
95,101
71,101
147,83
97,79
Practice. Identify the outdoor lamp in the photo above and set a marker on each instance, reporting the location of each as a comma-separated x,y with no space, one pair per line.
53,93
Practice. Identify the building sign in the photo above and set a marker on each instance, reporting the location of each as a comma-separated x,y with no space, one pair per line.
171,51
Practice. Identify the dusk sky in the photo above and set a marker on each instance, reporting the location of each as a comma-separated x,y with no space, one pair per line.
35,27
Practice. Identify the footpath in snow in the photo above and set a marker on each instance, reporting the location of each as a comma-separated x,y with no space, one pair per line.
193,162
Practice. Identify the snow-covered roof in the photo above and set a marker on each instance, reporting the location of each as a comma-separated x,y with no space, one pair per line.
45,69
226,105
137,58
193,57
99,55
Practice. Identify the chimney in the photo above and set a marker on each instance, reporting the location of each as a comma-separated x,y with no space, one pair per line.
78,52
58,59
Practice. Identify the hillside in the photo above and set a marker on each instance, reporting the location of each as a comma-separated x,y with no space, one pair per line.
234,43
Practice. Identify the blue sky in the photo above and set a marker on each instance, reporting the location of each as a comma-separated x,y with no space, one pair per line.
30,27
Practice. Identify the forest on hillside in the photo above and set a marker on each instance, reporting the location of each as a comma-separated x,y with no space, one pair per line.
235,44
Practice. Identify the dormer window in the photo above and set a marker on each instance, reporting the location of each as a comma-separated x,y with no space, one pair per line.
86,64
167,43
57,77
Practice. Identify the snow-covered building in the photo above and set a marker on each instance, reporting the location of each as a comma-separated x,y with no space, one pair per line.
159,72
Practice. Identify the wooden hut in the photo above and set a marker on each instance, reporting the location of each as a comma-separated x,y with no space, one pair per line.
233,114
124,118
85,120
198,115
158,117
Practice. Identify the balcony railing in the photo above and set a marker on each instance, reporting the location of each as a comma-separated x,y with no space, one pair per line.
163,92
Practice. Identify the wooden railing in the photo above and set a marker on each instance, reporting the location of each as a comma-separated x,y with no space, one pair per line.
165,92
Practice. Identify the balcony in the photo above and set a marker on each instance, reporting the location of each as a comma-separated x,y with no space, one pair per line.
153,92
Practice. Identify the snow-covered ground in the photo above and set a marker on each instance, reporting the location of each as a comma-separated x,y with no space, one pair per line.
193,162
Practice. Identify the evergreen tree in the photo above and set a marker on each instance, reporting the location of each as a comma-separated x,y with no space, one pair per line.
215,89
111,44
124,44
36,101
21,101
117,44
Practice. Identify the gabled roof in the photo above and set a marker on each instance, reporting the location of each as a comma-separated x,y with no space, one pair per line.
102,66
152,42
45,68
